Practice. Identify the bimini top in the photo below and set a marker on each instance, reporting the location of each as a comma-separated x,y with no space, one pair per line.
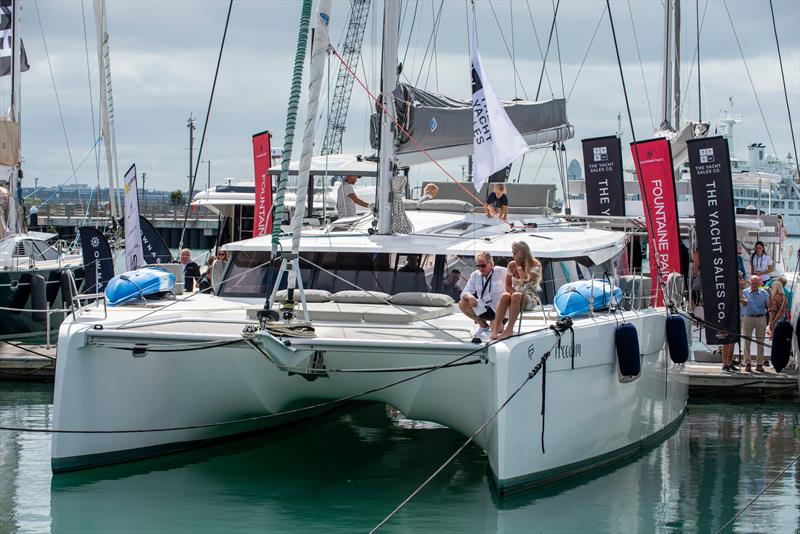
556,241
334,165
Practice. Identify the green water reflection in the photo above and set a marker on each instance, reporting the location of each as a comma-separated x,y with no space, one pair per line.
346,473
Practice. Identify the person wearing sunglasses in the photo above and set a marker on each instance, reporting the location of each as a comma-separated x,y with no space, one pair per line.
481,294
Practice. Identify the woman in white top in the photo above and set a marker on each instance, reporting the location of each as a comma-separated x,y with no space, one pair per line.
760,262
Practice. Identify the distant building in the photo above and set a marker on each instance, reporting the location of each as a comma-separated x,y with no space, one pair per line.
574,170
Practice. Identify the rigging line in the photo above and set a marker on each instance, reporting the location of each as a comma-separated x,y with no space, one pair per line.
753,500
80,163
435,56
205,125
785,93
430,39
433,64
188,297
637,157
405,132
541,163
385,300
64,183
508,51
91,100
58,102
695,57
469,440
586,55
641,67
547,51
558,52
411,31
749,77
539,46
699,79
513,43
522,164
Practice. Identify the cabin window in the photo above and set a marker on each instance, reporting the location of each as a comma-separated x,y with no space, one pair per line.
43,252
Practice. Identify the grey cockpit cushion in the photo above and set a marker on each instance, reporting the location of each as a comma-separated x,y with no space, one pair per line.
413,298
360,297
312,295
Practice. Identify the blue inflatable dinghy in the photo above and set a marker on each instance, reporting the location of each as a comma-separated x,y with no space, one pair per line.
138,284
573,298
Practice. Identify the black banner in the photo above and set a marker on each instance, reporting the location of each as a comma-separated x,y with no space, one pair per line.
154,248
7,40
502,175
602,161
98,263
715,226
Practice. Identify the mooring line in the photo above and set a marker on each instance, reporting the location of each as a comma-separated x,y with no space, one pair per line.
753,500
530,376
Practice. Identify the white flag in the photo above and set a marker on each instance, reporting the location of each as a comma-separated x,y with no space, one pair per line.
133,235
496,142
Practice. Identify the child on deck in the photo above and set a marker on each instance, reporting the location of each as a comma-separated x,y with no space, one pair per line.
497,202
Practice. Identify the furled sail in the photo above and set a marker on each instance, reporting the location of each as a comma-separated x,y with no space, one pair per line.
443,125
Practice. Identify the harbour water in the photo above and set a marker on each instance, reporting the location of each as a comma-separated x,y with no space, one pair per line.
345,473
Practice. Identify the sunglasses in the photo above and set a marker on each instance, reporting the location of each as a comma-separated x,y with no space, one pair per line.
481,265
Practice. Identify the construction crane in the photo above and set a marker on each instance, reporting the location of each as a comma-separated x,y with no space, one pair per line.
351,52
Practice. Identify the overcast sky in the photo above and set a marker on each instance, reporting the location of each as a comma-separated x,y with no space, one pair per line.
163,56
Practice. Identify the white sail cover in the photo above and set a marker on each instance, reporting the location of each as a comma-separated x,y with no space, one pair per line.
443,125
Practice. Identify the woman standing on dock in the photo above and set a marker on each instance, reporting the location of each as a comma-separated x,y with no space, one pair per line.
777,307
760,262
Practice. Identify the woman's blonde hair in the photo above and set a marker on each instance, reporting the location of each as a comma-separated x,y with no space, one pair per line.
498,187
776,288
522,246
431,189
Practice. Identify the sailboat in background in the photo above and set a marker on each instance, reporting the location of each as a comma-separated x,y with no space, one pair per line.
36,279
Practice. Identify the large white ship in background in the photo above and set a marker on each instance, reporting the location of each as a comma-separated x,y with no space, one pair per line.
763,183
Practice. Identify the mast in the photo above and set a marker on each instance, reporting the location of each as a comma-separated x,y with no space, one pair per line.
386,167
16,115
107,105
676,70
320,44
665,74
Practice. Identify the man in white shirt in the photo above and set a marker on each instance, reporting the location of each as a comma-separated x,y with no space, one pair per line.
346,199
480,296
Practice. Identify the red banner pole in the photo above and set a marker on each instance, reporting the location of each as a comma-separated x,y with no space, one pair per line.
653,159
262,220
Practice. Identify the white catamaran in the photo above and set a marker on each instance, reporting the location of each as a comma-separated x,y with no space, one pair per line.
552,400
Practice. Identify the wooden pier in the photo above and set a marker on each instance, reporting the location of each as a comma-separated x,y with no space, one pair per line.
709,380
20,361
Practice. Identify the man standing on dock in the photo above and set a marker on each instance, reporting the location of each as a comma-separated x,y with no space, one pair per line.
754,309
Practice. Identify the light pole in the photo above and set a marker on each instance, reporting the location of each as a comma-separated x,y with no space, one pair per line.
191,125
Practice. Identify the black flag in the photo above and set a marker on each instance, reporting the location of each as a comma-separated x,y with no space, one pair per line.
98,263
715,225
155,250
7,40
502,175
605,191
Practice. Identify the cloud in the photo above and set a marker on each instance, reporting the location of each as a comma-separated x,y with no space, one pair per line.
163,56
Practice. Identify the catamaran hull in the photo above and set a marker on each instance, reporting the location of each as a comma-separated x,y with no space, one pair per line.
16,303
590,416
100,389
